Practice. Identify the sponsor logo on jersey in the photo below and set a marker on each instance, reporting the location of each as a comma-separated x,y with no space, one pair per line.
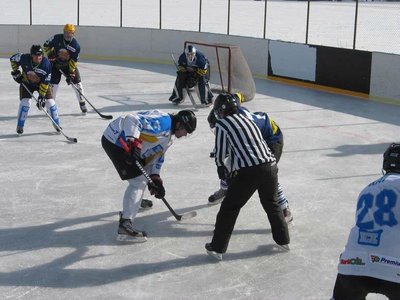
352,261
385,260
72,49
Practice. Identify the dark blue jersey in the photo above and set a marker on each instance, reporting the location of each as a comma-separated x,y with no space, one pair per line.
54,47
42,70
199,63
269,129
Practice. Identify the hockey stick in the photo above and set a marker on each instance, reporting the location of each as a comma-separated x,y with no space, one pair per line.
73,140
184,216
186,88
79,91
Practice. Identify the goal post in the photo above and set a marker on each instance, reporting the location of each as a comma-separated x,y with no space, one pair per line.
229,69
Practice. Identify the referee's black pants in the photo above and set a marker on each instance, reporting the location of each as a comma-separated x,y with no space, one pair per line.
263,178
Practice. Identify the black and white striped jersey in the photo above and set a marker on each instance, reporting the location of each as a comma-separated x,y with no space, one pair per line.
239,139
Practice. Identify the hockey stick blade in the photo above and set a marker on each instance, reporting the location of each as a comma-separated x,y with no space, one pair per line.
108,117
187,215
59,129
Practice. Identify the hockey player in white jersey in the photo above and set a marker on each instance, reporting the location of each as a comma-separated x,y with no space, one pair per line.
370,262
147,135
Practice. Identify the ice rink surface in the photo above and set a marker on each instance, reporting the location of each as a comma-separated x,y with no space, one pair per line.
60,201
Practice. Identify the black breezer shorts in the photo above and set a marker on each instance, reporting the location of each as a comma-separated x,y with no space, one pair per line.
352,287
56,74
23,93
119,160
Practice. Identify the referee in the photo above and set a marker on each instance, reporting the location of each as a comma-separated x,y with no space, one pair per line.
241,149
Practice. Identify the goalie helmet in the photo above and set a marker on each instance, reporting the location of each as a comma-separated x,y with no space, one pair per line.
190,52
36,50
188,119
225,104
391,158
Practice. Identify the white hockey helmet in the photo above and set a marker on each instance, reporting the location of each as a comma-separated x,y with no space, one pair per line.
190,52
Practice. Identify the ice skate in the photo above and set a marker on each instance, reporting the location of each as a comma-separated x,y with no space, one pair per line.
126,232
217,197
288,216
20,130
177,101
83,107
146,204
212,253
285,248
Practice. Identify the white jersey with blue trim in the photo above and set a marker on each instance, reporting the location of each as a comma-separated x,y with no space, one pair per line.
373,246
152,127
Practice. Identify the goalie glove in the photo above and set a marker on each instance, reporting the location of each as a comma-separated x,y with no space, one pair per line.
41,102
156,187
17,76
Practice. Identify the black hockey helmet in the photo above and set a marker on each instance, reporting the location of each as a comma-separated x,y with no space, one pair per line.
391,158
188,119
225,103
36,50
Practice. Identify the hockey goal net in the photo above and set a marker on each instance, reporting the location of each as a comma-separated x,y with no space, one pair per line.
229,69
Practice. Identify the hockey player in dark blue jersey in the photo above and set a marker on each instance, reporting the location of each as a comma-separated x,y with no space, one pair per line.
193,69
35,75
63,51
272,134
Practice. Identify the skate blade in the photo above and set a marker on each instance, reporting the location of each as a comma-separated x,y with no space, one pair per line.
284,248
215,255
131,239
143,209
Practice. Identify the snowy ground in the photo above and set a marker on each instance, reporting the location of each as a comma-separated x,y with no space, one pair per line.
60,201
330,23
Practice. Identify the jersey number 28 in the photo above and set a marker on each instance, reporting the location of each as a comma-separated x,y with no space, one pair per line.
385,201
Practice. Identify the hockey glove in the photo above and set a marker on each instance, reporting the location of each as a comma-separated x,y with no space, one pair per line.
41,102
70,78
156,187
17,76
135,148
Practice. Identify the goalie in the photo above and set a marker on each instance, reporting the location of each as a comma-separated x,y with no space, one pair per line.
63,51
193,70
35,76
